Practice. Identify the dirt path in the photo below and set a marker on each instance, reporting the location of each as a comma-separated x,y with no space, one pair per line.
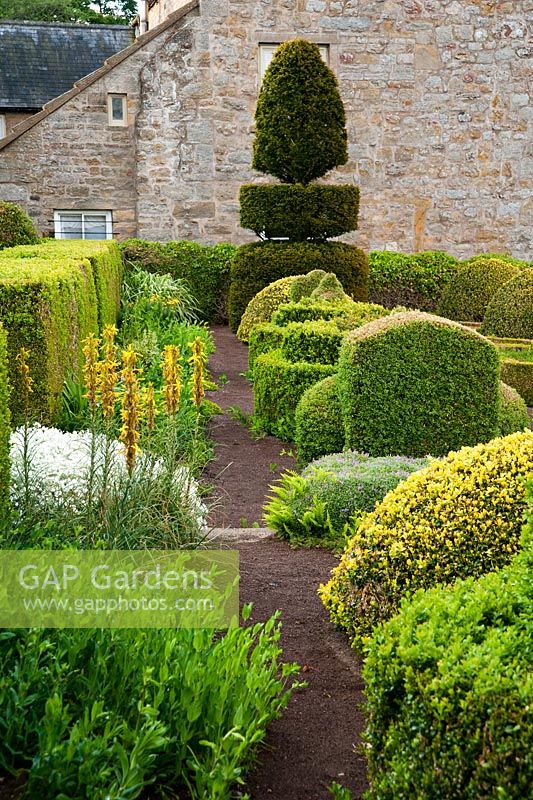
317,740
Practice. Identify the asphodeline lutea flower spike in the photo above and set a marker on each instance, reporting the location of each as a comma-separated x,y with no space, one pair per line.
91,350
172,375
108,376
198,361
130,407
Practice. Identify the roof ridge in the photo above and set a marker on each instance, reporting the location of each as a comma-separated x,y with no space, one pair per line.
92,77
31,23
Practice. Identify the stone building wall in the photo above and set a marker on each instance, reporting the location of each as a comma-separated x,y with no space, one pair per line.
440,124
13,118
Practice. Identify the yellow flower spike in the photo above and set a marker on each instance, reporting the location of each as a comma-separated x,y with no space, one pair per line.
91,347
130,404
150,407
198,361
108,372
22,361
172,375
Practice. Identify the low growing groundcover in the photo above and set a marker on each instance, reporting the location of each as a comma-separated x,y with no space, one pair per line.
178,709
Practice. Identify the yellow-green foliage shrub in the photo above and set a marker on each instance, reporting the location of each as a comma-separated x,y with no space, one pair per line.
263,304
317,342
459,517
15,226
49,304
414,384
467,295
519,375
513,411
263,338
4,422
318,418
510,312
104,258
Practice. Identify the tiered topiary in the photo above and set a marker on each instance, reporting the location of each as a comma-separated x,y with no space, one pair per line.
15,226
510,312
461,516
468,294
300,136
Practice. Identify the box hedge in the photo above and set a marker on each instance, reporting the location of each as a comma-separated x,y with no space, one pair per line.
50,300
262,306
513,411
415,281
317,342
308,309
4,422
467,296
205,268
299,213
519,375
319,429
278,386
458,517
510,311
449,692
260,263
263,338
415,384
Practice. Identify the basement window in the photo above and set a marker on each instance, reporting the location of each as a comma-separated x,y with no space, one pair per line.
266,54
83,225
117,109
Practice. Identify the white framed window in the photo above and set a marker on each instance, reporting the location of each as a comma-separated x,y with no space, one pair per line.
3,126
83,224
117,109
266,53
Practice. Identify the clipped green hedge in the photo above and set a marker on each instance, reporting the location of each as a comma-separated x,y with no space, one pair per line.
263,338
449,692
50,300
308,309
510,312
15,226
264,304
4,423
205,268
415,281
414,384
299,213
278,386
319,429
513,411
317,342
260,263
519,375
467,296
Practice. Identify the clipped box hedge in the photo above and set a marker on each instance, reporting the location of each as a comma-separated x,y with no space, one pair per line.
260,263
263,338
510,312
414,384
317,342
449,692
416,281
467,296
4,422
50,300
513,411
519,375
278,386
299,213
319,429
261,307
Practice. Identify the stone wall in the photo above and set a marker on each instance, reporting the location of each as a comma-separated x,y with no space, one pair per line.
14,118
438,100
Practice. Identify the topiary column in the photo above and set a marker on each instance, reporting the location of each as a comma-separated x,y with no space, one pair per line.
300,136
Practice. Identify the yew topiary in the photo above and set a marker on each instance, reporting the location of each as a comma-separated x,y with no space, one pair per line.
15,226
510,312
300,119
467,295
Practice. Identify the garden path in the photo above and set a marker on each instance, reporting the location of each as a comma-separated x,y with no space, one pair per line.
317,740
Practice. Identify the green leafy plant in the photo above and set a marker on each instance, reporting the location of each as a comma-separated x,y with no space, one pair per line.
466,297
510,311
415,281
15,226
318,421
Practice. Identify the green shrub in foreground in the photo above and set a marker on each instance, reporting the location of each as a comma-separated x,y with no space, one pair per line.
449,692
513,411
108,713
510,311
4,423
15,226
278,386
467,296
460,516
258,264
317,505
263,338
318,419
415,384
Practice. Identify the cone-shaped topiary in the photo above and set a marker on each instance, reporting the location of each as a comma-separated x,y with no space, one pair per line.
300,119
15,226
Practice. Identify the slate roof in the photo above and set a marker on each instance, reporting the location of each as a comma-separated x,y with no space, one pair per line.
41,60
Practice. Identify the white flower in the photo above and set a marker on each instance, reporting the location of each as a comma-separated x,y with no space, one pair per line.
59,468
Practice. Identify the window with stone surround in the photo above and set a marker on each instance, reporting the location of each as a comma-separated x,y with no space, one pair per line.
117,109
267,50
83,224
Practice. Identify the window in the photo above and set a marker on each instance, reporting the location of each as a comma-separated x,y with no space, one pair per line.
117,109
266,52
3,127
83,225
